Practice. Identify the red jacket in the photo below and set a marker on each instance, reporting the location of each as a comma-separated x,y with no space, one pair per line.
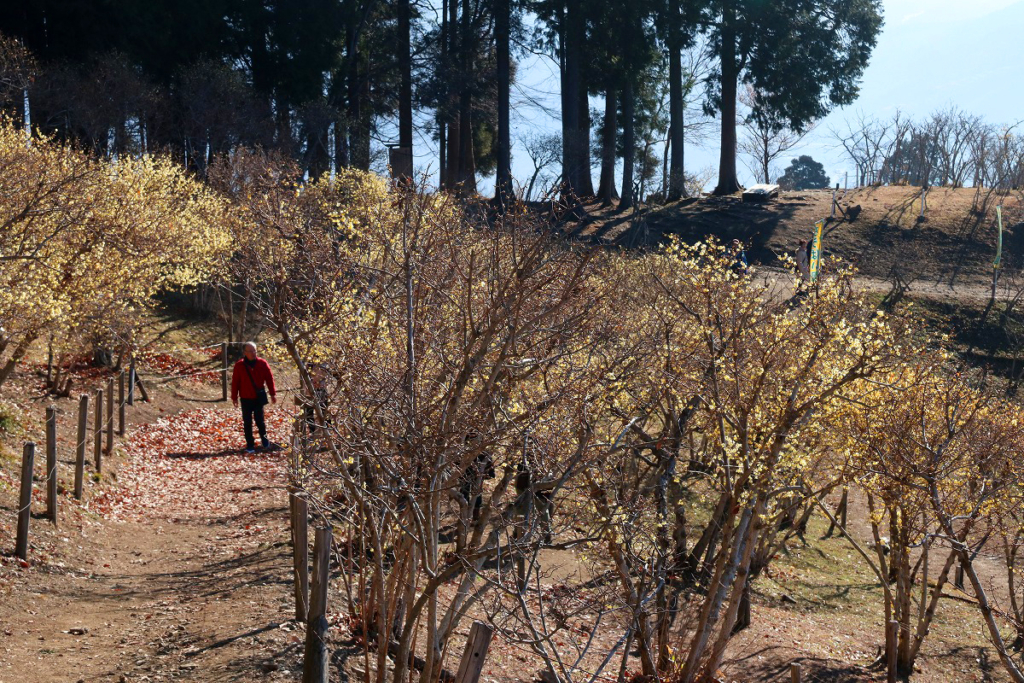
261,376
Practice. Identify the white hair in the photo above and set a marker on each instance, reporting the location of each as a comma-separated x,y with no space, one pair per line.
249,345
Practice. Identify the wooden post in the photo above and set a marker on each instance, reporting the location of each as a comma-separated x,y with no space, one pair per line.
794,673
110,416
51,464
959,581
315,662
476,651
28,459
97,431
120,404
224,371
83,424
891,640
300,551
131,382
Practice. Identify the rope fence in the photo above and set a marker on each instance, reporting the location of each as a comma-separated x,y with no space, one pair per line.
108,419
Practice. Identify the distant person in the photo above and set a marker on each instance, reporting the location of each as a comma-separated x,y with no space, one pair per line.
251,379
740,266
803,262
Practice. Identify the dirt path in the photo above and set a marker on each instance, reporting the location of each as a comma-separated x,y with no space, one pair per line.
184,569
780,283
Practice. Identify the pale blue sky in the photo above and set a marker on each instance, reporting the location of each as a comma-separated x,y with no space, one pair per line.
931,54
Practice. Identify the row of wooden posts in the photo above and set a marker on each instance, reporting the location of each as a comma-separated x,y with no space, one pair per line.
103,443
102,427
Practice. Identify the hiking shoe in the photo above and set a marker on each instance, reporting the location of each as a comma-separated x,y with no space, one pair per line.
250,451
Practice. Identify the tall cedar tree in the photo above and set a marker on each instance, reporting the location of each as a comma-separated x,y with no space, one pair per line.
806,56
677,23
458,78
405,124
564,32
605,76
636,36
503,190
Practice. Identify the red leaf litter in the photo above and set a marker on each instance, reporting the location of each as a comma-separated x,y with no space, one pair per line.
192,465
166,365
80,367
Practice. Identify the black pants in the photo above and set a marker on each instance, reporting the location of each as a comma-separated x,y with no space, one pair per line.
251,409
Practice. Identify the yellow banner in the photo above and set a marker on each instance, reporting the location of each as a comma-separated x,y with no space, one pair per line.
816,250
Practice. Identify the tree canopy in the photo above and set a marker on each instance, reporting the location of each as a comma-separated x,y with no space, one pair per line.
804,173
331,83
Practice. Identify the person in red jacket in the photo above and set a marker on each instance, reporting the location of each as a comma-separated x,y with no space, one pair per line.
252,380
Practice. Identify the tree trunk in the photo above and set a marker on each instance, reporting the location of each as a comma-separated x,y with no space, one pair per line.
454,134
607,192
19,352
442,125
677,174
667,466
442,149
629,146
988,614
726,568
352,152
285,140
765,157
740,586
467,159
405,67
571,39
727,181
925,621
341,131
361,152
904,587
503,191
317,154
586,188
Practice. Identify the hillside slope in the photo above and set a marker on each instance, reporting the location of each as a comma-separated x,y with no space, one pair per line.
953,246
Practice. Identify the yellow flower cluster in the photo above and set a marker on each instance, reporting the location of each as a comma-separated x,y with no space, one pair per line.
85,244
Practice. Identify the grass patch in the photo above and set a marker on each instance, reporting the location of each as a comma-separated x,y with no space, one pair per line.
826,574
998,338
